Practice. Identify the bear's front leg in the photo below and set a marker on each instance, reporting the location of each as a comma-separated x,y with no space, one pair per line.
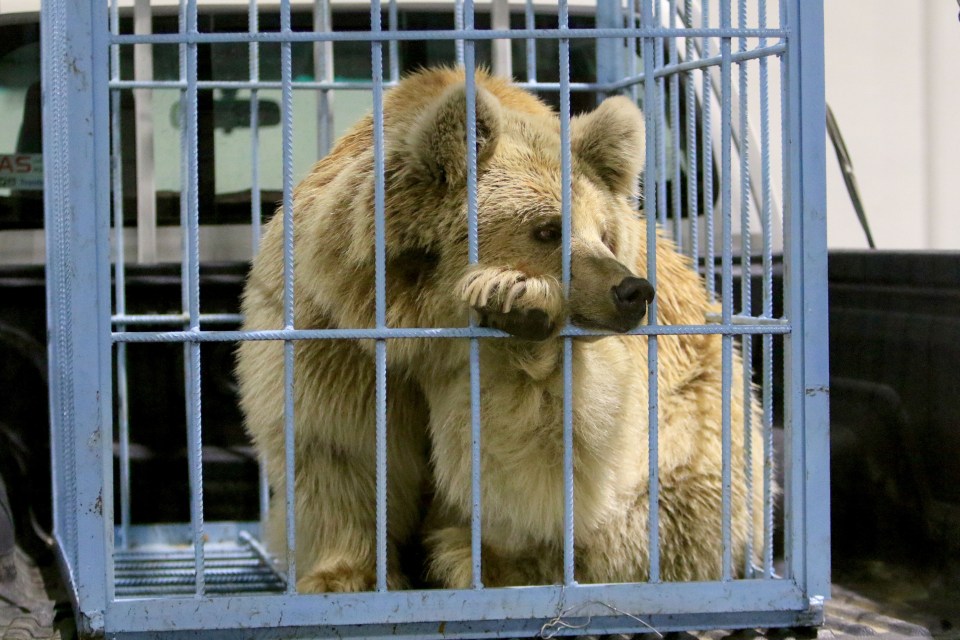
510,300
450,562
345,578
335,492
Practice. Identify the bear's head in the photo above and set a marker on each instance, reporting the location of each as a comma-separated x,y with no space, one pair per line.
516,284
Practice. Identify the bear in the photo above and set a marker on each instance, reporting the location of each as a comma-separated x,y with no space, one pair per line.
514,287
334,380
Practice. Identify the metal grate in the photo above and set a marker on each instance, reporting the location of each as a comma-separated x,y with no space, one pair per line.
231,567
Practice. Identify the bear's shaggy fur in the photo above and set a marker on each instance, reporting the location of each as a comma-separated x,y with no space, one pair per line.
515,287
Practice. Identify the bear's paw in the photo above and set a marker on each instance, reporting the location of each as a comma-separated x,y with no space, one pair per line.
510,300
344,579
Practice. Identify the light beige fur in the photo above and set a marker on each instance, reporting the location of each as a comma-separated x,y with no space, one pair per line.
430,284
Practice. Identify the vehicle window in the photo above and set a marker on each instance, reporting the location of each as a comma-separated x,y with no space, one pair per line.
21,168
224,131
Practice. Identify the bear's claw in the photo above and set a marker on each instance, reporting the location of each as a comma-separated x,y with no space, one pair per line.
527,324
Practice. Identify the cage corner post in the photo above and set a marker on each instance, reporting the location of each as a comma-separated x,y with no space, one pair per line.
807,442
76,213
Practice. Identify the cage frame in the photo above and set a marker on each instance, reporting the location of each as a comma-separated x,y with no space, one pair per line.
76,50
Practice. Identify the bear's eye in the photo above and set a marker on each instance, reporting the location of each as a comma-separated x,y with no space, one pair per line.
548,233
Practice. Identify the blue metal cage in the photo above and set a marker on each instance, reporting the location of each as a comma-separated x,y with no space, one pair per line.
689,62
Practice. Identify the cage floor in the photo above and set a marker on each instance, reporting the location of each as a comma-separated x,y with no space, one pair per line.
229,567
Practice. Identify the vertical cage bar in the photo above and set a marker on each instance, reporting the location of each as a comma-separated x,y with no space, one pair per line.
675,131
726,280
120,289
631,22
766,220
286,134
609,51
77,227
192,280
376,49
651,202
530,23
693,169
661,121
458,25
186,190
707,133
566,230
746,282
501,49
473,255
393,24
144,136
323,71
785,176
253,26
807,421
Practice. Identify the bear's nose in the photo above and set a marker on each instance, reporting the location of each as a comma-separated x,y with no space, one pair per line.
632,295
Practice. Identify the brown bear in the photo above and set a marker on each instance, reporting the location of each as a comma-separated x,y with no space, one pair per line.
514,287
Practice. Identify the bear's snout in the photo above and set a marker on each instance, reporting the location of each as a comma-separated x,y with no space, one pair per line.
631,298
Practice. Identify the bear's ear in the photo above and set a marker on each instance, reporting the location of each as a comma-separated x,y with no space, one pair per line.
438,140
610,140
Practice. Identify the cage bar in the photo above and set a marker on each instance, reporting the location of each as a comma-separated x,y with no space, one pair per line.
651,202
727,285
807,496
286,109
380,252
447,34
766,218
253,48
746,283
473,256
191,283
531,44
323,70
566,230
120,290
693,170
